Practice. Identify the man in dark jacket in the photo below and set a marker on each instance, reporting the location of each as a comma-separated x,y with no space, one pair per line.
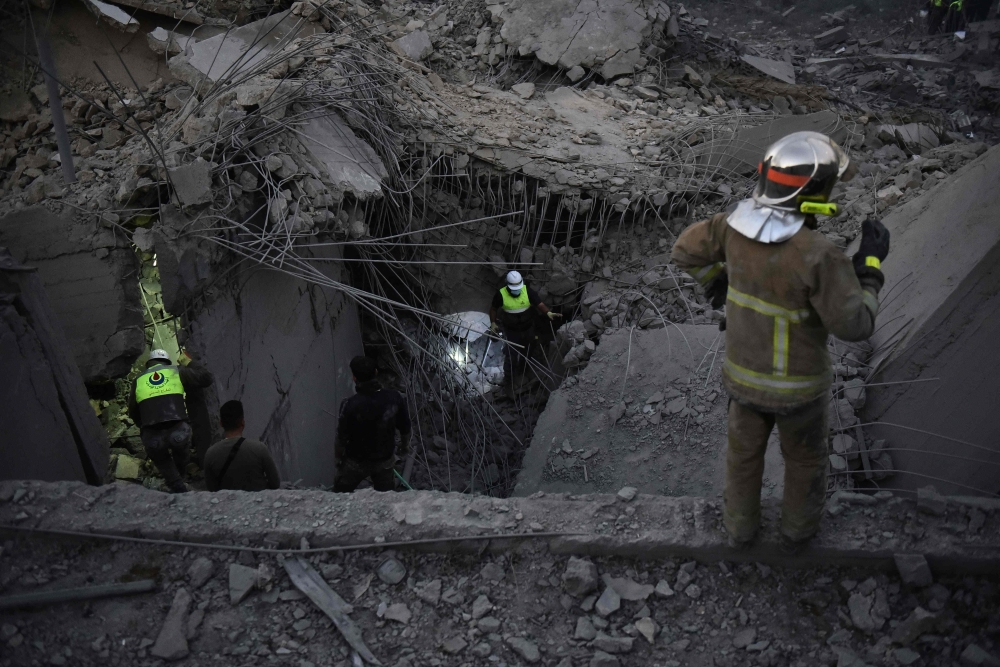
366,433
156,404
236,462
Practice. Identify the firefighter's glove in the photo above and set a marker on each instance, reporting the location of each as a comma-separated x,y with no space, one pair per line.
553,316
494,328
874,248
717,290
183,358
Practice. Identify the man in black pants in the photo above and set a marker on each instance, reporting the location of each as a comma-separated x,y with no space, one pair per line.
366,432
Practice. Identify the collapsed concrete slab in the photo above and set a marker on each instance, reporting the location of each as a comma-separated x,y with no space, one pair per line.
112,15
740,152
353,166
176,10
91,280
49,430
605,35
230,54
939,326
283,346
660,527
660,428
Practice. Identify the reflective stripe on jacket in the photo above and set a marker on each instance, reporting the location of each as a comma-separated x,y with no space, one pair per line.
515,304
784,300
160,395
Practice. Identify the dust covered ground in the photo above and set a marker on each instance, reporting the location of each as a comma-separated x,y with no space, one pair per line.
508,609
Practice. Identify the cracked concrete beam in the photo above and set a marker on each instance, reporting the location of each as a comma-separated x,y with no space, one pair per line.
662,526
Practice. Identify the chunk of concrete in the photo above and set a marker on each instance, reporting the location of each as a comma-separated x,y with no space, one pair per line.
242,580
200,572
976,656
112,15
96,300
580,577
523,90
415,46
575,33
192,182
831,37
527,650
913,569
234,52
171,644
351,164
919,622
779,69
127,467
609,602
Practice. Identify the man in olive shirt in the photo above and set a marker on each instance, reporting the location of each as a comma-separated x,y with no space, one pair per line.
236,462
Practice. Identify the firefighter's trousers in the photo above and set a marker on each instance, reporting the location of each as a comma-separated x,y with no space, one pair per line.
803,435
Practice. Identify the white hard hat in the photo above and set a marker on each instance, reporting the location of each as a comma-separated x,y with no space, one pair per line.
159,354
514,282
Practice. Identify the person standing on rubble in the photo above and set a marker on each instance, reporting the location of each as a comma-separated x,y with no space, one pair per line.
786,288
156,404
513,308
366,431
236,462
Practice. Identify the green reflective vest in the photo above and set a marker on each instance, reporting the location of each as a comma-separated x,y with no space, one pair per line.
158,381
515,304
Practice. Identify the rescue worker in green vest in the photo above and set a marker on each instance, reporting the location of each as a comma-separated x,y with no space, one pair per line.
786,288
157,406
513,309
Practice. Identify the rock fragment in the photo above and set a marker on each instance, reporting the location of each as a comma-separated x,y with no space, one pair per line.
171,643
391,571
242,580
200,572
974,656
580,577
585,630
608,603
524,648
914,569
613,645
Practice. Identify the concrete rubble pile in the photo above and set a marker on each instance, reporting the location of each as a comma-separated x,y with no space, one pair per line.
579,160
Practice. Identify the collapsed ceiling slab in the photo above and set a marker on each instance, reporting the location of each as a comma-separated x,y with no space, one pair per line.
227,55
605,35
353,166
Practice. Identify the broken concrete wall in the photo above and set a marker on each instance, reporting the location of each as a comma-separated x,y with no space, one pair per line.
48,430
283,347
939,324
91,280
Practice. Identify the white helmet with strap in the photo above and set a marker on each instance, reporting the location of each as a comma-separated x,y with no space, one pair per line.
159,355
514,282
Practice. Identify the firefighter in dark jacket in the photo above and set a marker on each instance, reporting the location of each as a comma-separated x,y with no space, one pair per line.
366,431
157,406
786,288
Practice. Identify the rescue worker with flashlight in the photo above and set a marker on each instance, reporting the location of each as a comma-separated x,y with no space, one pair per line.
157,406
785,288
513,309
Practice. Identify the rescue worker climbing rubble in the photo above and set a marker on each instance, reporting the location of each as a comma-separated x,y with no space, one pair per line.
786,288
157,405
513,308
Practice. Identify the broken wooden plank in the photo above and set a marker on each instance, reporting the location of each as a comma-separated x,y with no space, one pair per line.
778,69
309,581
37,598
